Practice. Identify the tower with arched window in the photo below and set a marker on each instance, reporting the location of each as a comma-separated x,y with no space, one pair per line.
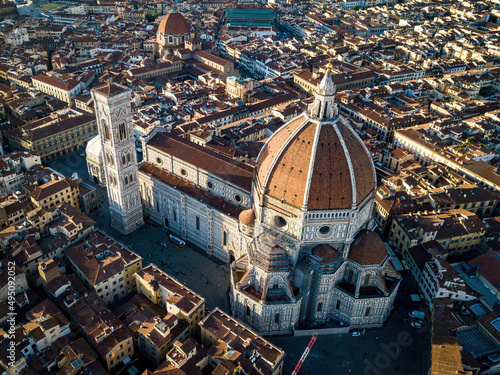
112,106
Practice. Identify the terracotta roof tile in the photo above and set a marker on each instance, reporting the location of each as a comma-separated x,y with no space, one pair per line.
367,249
230,170
190,189
361,163
288,179
173,24
326,253
273,146
111,89
247,217
289,154
331,185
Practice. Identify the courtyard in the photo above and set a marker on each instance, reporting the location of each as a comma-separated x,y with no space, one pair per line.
391,350
49,6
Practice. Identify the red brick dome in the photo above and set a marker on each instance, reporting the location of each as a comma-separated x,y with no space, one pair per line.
316,165
368,249
247,217
173,24
326,253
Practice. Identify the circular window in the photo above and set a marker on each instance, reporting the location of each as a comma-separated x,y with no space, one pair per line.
159,161
183,172
210,185
324,231
280,221
237,198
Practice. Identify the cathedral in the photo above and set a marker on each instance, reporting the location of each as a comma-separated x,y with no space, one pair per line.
311,257
295,227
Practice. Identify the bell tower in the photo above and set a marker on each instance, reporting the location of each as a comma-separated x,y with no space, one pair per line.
112,107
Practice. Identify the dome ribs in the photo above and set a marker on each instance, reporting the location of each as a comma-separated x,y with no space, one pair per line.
367,249
287,181
273,147
362,165
316,165
173,24
331,180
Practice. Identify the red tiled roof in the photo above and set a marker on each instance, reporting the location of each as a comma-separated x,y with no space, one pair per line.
367,249
173,24
284,166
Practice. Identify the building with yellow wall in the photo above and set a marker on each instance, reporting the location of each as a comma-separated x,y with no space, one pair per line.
162,289
61,132
108,336
457,230
105,265
54,192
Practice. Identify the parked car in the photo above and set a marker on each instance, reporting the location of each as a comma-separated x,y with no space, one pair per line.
417,314
176,241
358,333
163,244
416,324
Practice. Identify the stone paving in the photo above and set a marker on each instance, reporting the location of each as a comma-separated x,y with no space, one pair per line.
205,275
396,349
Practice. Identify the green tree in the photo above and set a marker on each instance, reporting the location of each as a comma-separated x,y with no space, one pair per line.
356,8
151,17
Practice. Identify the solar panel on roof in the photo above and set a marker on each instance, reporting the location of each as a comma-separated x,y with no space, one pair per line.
494,357
479,310
77,363
496,323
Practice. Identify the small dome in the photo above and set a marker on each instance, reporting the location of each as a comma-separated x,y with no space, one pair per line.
173,24
367,249
247,217
326,253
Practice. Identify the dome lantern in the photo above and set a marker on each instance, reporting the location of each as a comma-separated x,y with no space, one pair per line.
324,107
